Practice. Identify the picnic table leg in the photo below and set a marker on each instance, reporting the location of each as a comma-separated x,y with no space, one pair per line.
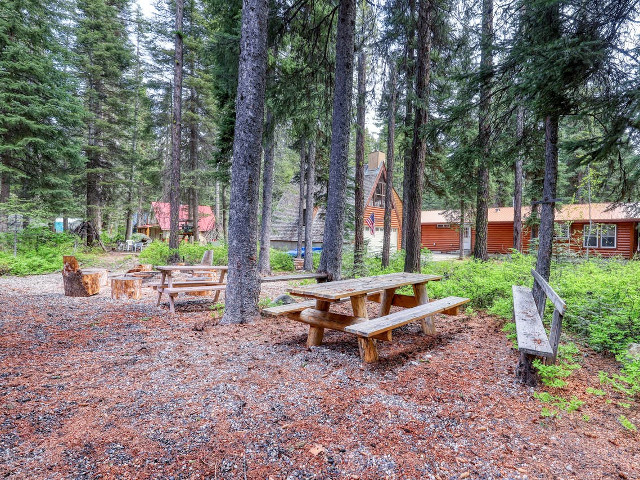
215,298
317,333
422,297
172,306
367,346
385,302
160,289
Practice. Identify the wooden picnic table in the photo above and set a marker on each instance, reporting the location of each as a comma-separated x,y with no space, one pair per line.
381,289
171,287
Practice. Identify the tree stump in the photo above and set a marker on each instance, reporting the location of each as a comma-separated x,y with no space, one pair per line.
126,287
78,283
103,277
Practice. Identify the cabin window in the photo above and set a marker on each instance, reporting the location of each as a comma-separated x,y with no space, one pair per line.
443,225
378,196
608,236
590,236
562,231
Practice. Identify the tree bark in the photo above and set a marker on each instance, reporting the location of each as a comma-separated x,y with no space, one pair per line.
484,132
419,144
176,128
303,154
391,133
308,234
358,247
194,201
331,258
517,184
243,287
461,233
408,117
548,205
264,261
5,188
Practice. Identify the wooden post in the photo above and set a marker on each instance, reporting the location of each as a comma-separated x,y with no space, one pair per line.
316,334
422,297
367,346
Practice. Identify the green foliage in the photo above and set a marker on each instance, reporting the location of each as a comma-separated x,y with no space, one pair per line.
157,253
571,405
38,250
626,423
554,375
280,261
627,381
596,391
510,329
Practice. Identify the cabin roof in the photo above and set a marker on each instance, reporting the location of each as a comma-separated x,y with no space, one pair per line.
206,221
600,212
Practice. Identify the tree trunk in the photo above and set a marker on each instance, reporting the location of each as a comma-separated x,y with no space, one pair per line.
194,201
218,219
303,153
419,144
408,118
517,185
308,233
176,127
484,132
4,196
331,259
264,262
461,237
358,248
391,132
547,206
243,287
225,214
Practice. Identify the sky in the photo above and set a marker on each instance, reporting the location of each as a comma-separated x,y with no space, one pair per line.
147,7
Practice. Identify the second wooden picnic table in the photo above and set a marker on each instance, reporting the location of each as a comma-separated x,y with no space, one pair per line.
171,287
382,289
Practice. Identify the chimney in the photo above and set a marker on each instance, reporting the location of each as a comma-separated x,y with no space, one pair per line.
376,159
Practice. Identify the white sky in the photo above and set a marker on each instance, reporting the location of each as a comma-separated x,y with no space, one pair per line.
147,7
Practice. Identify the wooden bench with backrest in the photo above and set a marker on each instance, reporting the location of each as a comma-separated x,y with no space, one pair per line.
532,337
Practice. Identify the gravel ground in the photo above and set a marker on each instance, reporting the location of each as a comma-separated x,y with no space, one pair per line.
98,388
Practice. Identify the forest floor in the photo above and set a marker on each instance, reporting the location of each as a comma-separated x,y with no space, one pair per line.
99,388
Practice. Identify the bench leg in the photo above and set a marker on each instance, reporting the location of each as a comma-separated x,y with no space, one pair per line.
159,296
316,334
221,280
525,373
172,306
385,301
368,350
422,297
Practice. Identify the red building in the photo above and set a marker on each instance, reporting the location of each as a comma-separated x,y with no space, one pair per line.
159,222
603,230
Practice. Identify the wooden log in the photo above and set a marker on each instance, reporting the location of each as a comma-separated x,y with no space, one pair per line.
404,301
76,282
126,287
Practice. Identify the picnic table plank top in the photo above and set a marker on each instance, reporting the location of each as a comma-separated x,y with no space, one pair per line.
179,268
361,286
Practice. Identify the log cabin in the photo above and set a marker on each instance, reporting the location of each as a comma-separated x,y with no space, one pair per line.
602,228
284,226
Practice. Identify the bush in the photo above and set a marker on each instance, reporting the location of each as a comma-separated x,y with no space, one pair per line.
157,253
281,261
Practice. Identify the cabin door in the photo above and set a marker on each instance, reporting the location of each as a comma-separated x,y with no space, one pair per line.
466,238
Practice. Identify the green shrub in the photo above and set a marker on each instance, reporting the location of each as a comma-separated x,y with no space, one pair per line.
281,261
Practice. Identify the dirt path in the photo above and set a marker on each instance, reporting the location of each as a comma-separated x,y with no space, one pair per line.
95,388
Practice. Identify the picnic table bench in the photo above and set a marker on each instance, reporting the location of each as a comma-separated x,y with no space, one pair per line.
381,289
532,337
172,288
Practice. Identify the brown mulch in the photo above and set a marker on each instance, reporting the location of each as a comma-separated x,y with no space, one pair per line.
97,388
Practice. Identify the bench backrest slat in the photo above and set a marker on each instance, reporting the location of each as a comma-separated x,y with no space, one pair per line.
551,294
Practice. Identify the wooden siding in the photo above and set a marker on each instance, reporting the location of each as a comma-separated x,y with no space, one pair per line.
500,238
626,238
442,239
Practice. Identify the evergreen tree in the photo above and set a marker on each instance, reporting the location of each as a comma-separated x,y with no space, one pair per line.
39,114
